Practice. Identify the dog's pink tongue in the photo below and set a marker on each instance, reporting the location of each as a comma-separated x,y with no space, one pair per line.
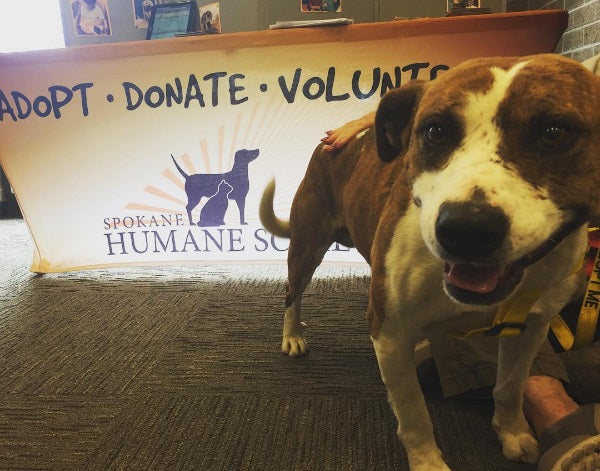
471,277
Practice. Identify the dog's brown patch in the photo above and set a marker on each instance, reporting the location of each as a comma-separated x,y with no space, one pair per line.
546,99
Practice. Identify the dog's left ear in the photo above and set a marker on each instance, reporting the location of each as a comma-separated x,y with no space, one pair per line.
394,119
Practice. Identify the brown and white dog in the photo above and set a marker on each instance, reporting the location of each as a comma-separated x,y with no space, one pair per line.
468,191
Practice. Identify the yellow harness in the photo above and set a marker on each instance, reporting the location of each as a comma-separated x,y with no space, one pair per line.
588,315
511,315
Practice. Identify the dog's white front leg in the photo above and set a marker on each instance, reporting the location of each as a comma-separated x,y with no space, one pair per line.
395,355
293,342
515,356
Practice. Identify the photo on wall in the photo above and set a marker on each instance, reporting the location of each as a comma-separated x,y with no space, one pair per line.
210,18
90,18
332,6
142,10
457,4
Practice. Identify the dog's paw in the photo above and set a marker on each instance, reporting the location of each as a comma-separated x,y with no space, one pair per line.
294,345
439,466
520,447
431,463
517,437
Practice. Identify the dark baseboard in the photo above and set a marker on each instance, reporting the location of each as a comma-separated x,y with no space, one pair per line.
10,209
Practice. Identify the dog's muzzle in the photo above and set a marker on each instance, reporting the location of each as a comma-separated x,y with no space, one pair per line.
471,236
470,233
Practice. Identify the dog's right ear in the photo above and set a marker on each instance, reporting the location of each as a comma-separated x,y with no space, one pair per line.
394,119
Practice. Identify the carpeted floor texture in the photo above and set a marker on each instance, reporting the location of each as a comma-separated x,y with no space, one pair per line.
180,368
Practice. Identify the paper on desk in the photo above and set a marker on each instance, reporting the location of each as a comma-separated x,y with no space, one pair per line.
309,23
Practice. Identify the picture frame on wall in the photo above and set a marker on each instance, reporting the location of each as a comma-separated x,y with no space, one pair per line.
170,19
142,10
210,18
459,4
90,18
312,6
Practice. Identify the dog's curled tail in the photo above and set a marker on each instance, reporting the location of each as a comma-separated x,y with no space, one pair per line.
269,220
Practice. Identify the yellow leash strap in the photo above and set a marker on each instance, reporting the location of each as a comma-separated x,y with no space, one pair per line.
588,315
510,318
562,332
511,315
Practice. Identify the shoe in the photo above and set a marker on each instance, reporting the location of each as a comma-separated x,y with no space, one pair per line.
573,443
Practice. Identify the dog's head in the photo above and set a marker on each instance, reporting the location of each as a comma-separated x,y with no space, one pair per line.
246,156
206,18
503,161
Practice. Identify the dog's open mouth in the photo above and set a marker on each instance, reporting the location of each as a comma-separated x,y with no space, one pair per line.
472,284
469,283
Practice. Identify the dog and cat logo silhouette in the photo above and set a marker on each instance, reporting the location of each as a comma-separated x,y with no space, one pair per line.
219,188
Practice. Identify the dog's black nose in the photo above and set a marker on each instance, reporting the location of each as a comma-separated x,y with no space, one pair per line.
470,231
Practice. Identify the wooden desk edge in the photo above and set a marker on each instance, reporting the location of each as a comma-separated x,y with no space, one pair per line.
552,20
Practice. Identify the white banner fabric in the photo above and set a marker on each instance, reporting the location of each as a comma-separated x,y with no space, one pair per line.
98,142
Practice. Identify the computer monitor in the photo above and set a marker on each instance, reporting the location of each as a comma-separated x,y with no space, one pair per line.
170,19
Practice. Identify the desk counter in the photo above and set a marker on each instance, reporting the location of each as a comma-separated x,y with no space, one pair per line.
87,134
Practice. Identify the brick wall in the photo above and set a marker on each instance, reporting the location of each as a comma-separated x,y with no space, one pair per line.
582,37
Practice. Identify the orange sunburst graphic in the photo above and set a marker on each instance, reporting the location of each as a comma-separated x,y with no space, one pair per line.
215,154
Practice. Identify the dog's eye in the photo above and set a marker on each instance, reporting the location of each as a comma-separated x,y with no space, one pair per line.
554,135
436,134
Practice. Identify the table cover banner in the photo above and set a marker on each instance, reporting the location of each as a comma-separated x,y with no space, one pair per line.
99,149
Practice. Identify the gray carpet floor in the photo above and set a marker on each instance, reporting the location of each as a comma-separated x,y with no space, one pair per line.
179,368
